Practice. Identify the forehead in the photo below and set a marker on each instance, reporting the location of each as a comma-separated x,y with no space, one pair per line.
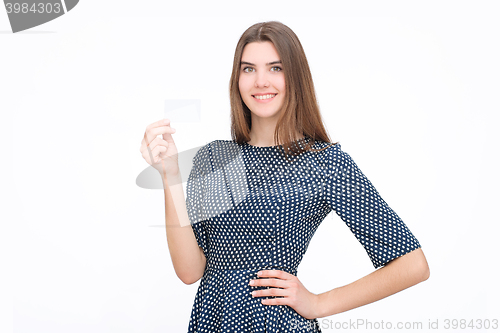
260,53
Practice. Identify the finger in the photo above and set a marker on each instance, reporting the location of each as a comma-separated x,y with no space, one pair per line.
275,301
269,282
167,136
152,143
275,273
271,292
159,123
159,153
152,133
158,141
149,149
154,149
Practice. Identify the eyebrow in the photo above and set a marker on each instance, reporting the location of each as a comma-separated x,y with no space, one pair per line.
269,63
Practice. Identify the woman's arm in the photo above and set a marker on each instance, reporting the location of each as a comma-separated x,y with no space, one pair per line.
187,257
161,153
385,237
400,273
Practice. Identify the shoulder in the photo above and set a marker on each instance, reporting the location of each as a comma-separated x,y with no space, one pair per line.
327,147
326,152
213,151
332,159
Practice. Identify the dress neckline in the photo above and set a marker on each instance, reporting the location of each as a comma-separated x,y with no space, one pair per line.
304,139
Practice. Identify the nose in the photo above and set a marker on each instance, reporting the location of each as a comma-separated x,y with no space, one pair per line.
261,80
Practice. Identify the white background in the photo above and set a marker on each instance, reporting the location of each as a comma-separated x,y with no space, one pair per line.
409,88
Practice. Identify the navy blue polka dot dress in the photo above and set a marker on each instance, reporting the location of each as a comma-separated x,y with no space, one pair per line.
251,209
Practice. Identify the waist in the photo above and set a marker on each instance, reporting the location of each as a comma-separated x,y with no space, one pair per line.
251,270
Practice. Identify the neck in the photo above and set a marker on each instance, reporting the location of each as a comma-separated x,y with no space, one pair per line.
266,139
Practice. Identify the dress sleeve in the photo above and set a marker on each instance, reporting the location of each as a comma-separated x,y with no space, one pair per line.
377,227
194,206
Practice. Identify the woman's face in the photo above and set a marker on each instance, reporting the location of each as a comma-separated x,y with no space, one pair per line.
262,81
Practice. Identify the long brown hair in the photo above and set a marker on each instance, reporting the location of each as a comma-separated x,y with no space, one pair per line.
300,110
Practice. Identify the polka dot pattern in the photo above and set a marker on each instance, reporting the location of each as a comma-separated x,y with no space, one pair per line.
251,209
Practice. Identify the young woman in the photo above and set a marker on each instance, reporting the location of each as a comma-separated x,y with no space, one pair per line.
254,202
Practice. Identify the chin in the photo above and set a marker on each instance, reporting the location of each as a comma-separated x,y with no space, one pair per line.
264,114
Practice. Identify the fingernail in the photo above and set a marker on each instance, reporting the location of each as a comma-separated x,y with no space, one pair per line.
251,282
259,273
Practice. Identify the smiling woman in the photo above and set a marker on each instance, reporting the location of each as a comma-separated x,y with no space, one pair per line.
253,210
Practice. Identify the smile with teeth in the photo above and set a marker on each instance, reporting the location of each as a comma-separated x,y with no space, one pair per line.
265,96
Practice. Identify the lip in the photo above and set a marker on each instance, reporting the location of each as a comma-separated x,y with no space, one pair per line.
264,100
267,93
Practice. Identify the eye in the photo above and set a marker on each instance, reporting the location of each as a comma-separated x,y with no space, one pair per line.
249,69
276,69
